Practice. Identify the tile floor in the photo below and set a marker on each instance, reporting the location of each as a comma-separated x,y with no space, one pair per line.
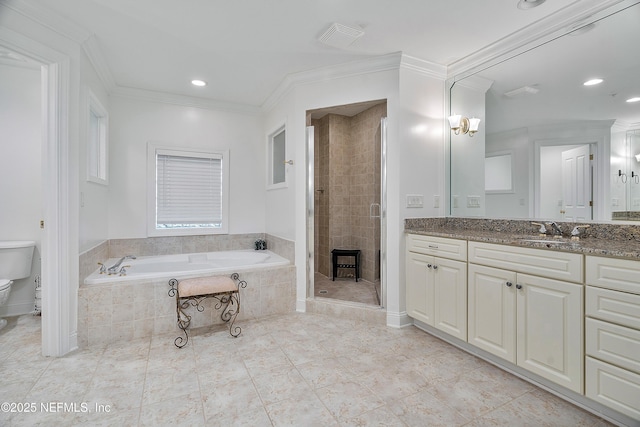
345,289
289,370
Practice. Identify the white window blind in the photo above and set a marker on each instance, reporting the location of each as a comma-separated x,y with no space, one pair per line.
189,190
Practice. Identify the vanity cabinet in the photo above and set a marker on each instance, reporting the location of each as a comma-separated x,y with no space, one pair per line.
524,308
612,337
436,291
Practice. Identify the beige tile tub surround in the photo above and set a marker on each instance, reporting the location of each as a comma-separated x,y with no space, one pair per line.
125,311
297,369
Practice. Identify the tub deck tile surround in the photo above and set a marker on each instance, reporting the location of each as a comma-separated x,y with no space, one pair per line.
125,311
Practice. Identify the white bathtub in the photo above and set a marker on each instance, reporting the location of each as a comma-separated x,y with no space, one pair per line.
188,265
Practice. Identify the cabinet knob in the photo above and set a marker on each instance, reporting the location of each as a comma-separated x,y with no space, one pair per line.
429,265
435,267
518,286
509,284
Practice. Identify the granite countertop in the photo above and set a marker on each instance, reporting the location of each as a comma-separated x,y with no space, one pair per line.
611,240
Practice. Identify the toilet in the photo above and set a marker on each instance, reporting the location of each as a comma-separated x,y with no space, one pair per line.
15,263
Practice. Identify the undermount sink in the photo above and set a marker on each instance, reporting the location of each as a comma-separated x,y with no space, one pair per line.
547,242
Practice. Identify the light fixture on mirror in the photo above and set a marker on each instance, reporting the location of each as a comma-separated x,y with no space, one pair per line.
464,125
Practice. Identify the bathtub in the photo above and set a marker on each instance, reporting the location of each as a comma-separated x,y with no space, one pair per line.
188,265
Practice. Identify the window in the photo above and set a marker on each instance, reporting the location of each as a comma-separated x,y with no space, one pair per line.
188,191
97,142
498,171
276,167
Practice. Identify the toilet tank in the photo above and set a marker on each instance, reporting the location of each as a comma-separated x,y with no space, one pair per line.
15,258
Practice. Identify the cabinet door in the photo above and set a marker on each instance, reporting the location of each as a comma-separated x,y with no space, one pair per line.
549,319
492,310
420,287
450,297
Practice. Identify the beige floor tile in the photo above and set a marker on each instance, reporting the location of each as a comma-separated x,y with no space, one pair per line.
286,370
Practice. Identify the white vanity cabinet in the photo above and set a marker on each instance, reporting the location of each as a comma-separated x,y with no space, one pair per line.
524,308
436,291
612,336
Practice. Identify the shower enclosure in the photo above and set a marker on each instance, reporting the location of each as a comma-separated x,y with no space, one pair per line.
345,200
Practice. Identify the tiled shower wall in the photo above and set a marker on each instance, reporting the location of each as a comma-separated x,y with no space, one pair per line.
347,184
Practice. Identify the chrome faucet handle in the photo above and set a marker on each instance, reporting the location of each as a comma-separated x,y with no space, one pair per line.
123,271
103,268
542,230
576,230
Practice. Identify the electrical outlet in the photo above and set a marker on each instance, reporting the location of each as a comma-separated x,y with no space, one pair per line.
436,201
415,200
455,202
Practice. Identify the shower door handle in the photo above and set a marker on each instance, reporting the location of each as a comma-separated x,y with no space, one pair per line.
372,210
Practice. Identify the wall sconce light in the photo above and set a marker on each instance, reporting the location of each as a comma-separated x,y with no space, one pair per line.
637,156
464,125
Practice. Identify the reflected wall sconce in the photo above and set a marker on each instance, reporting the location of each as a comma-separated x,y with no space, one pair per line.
464,125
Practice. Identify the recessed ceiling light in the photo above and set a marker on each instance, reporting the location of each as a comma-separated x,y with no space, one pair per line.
198,83
634,99
529,4
593,82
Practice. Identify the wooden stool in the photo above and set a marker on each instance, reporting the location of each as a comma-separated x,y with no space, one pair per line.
226,290
355,253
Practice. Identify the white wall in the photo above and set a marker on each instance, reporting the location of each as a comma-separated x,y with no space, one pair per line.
94,198
517,204
20,173
467,153
134,123
620,162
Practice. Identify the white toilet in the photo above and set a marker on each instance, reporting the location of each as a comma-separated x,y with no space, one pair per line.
15,263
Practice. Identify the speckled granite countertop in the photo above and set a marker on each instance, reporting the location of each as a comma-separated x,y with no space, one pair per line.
612,240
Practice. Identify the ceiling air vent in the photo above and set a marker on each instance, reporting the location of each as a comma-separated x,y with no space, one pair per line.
341,36
524,90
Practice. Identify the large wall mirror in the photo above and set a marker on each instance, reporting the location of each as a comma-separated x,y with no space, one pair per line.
573,150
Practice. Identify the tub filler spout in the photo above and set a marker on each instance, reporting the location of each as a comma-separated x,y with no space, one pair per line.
114,268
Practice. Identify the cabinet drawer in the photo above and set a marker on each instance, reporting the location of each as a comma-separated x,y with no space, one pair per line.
614,344
614,387
613,306
439,246
612,273
540,262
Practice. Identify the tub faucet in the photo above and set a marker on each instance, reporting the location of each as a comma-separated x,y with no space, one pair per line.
114,268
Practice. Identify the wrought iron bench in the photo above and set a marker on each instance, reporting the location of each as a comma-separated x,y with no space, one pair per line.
226,290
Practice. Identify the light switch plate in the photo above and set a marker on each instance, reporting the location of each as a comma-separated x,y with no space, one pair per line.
415,200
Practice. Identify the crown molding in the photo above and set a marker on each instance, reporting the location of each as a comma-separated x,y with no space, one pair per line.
349,69
423,67
534,35
182,100
49,19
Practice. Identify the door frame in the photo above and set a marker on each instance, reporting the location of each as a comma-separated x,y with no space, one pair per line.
59,308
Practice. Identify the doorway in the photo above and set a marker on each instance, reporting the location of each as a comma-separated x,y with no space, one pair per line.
566,182
346,202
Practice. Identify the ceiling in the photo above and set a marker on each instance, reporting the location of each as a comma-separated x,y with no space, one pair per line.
245,49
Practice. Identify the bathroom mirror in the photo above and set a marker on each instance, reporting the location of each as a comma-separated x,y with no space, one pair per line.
571,147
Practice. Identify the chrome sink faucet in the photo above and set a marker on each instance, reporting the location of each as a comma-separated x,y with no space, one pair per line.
556,228
114,268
